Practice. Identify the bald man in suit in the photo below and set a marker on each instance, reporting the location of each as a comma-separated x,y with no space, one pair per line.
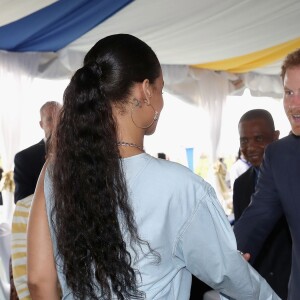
29,162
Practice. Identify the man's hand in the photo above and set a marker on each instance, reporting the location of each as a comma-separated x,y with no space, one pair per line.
245,255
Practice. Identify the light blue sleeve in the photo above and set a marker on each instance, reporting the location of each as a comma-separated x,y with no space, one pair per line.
207,246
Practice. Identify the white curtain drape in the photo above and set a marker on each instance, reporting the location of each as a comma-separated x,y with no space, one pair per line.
208,89
263,85
17,71
213,88
201,87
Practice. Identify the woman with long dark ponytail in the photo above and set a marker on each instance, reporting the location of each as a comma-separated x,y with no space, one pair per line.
109,221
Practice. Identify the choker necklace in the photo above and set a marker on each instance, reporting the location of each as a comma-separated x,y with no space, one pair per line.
126,144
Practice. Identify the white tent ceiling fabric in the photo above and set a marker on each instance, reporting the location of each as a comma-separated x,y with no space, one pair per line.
194,32
190,31
13,10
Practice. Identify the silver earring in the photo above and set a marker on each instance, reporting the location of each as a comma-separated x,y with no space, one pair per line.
155,117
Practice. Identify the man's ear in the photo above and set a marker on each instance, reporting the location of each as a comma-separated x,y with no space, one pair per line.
147,91
276,135
41,124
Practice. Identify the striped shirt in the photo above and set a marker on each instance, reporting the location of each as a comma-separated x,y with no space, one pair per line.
19,247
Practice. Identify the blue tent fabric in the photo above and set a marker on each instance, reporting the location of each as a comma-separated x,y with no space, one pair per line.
55,26
190,158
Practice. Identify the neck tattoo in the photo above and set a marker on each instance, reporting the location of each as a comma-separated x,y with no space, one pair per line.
126,144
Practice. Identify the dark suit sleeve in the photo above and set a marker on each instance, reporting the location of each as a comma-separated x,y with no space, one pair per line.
242,191
28,165
261,215
22,177
237,209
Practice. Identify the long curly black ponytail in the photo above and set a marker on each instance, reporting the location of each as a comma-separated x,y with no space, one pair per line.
91,207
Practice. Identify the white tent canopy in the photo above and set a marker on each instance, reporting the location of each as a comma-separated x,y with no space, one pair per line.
183,32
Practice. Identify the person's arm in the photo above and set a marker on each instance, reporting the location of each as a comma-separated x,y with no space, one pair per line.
207,247
259,218
42,275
